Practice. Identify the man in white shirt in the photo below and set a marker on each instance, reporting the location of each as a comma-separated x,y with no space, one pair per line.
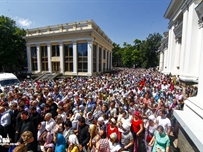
50,123
5,118
61,112
164,121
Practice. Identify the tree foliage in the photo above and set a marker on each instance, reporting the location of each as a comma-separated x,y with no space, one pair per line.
141,54
12,46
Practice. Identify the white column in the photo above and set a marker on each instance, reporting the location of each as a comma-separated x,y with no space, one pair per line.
38,58
29,67
97,57
61,57
75,61
171,49
90,58
165,60
106,61
102,59
160,61
191,42
184,38
49,57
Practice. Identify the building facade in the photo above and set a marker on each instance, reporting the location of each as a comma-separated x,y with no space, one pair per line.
181,48
79,48
181,53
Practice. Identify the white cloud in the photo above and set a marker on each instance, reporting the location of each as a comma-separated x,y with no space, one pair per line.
23,22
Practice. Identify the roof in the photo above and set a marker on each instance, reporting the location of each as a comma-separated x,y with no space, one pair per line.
7,76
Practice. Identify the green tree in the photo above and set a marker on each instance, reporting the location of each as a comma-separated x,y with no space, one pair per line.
127,55
12,46
117,55
149,48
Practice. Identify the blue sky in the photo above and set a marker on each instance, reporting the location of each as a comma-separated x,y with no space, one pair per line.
121,20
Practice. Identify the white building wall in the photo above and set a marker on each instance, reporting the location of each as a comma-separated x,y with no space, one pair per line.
191,52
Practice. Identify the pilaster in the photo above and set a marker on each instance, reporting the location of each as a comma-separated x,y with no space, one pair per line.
39,59
61,57
75,61
29,67
49,57
90,57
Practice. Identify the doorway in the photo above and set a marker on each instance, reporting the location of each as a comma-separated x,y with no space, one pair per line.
56,66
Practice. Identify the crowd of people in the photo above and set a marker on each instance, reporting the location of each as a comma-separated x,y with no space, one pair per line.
106,113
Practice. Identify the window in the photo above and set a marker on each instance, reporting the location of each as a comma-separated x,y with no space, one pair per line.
82,57
44,58
55,50
104,68
94,58
34,58
100,58
68,57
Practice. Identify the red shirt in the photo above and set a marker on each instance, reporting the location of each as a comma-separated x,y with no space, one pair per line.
110,131
136,125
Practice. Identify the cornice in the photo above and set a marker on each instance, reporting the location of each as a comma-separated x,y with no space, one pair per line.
67,28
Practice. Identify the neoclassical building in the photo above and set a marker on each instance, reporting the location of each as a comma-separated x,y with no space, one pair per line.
78,48
181,53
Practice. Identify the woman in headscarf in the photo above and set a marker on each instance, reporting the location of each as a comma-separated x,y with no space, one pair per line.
150,128
75,120
90,119
125,118
49,145
73,143
114,144
41,135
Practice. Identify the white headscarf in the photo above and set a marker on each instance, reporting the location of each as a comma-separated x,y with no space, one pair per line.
73,139
42,129
77,116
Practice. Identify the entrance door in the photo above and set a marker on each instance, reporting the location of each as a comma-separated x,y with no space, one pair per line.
56,66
